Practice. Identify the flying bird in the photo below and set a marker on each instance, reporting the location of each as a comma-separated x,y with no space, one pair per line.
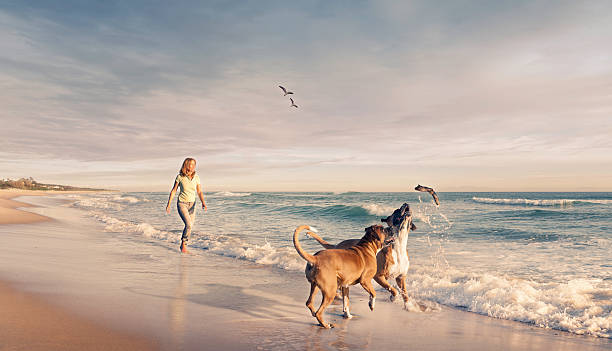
285,90
428,190
293,103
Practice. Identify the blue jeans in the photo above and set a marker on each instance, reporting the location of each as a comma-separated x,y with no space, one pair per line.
187,212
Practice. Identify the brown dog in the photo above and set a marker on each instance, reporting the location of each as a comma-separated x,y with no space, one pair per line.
329,269
392,261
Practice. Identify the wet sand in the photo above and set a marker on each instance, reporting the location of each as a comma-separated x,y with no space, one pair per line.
147,290
30,323
9,209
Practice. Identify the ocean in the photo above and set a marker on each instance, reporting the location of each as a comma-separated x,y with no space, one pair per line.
538,258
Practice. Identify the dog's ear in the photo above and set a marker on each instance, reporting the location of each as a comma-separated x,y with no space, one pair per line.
384,220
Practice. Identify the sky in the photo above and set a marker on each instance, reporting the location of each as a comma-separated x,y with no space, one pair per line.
457,95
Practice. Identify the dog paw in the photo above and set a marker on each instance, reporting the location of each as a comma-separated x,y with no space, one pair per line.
371,304
347,315
393,298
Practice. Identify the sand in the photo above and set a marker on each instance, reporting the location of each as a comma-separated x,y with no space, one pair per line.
29,324
149,295
10,212
9,209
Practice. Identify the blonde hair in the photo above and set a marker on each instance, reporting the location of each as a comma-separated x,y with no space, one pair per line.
183,170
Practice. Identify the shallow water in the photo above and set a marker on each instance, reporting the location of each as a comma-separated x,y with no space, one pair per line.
539,258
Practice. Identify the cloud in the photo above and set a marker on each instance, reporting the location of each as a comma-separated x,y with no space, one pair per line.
383,84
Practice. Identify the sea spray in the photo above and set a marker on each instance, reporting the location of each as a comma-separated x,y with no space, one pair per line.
430,215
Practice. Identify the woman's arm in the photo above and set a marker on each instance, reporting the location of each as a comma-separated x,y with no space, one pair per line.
172,192
201,196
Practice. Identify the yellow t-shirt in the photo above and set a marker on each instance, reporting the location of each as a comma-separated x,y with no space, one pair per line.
187,187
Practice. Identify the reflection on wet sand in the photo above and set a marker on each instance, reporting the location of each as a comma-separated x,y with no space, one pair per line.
177,306
319,339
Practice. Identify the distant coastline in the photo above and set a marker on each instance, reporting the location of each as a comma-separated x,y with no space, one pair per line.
31,184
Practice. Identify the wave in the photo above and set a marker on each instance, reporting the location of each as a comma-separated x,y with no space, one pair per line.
229,194
223,245
353,211
578,306
543,202
114,202
299,195
340,211
127,199
378,210
96,202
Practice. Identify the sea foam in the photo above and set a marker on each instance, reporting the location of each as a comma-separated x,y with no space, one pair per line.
541,202
115,202
97,202
579,306
224,245
378,210
229,194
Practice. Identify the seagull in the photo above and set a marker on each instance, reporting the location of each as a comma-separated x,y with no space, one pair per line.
285,91
293,103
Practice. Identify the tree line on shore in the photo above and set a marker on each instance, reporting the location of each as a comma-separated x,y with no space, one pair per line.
31,184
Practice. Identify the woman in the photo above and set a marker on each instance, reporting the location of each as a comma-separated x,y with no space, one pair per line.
189,184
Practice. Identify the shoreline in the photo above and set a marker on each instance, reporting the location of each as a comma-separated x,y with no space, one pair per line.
29,322
149,291
11,210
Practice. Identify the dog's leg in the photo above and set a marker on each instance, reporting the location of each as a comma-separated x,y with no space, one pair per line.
380,279
345,302
328,297
367,285
313,292
401,283
339,294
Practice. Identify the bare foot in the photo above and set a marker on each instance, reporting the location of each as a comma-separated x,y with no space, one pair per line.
184,248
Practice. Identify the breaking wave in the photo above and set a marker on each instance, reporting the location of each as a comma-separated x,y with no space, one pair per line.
580,306
224,245
114,202
229,194
543,202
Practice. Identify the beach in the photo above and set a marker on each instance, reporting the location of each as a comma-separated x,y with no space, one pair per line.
69,283
30,320
9,214
466,144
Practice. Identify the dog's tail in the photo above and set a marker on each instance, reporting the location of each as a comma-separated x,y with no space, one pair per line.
323,243
305,255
